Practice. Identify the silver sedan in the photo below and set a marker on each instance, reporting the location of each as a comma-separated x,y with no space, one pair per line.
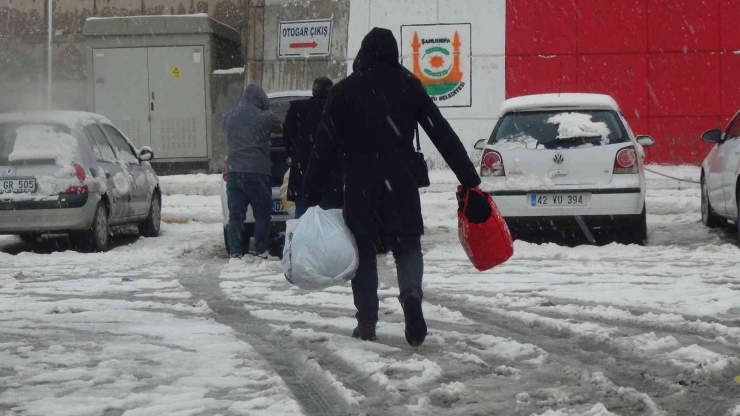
74,173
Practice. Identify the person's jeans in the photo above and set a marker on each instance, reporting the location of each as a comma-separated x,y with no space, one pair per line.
409,267
243,190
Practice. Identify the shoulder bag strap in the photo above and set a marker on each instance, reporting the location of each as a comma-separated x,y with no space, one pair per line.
418,142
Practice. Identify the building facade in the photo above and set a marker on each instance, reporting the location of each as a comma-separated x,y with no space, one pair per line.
673,65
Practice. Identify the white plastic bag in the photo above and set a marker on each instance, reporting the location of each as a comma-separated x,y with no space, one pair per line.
320,251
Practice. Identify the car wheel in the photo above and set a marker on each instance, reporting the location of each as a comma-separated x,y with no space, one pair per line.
276,245
151,225
707,214
248,232
97,238
638,231
28,238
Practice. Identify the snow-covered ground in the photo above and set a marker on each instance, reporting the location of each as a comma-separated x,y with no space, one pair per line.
167,326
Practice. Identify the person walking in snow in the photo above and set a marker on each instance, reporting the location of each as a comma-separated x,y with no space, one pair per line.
299,132
368,123
249,169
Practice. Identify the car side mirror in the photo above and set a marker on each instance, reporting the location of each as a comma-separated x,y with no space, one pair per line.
645,141
712,136
146,154
480,144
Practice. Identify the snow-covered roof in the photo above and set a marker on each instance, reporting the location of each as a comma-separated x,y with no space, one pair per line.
232,71
156,25
66,118
283,94
559,101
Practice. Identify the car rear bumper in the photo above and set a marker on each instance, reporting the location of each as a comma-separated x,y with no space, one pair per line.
71,212
539,225
606,202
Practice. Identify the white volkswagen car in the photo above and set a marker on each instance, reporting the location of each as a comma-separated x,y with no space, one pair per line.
720,177
281,212
567,165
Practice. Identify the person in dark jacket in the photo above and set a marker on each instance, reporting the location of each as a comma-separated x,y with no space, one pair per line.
249,169
299,132
369,123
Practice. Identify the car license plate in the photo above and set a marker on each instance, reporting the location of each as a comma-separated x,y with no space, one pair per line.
17,186
277,207
559,200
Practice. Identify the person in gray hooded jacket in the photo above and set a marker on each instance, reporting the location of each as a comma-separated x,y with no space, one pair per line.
249,169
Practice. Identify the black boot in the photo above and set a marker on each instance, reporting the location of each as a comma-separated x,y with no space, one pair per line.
365,333
416,327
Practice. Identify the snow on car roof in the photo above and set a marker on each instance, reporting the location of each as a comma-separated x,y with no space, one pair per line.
570,101
67,118
283,94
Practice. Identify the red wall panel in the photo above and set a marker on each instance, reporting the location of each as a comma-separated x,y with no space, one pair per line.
684,84
730,29
678,139
669,63
624,77
730,83
683,25
535,75
608,26
536,27
639,126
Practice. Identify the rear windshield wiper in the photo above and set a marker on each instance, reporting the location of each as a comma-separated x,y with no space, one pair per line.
573,142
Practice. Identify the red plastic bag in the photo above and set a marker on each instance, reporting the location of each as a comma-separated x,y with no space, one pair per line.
487,244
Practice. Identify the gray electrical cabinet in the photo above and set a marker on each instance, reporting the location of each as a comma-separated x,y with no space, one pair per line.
150,75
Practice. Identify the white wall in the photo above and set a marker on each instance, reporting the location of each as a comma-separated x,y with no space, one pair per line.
488,27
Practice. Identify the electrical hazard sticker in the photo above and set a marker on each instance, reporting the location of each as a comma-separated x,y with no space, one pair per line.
175,72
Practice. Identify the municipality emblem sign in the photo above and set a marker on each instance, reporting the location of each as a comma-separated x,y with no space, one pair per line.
440,56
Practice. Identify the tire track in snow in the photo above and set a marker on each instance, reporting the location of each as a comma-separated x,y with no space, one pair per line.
316,392
624,369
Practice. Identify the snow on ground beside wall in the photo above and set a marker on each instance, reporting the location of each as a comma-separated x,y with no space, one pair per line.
199,184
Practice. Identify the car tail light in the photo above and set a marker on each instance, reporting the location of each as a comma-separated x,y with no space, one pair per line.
223,172
81,176
492,164
626,161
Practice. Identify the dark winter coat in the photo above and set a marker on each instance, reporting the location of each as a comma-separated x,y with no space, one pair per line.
369,121
299,133
248,128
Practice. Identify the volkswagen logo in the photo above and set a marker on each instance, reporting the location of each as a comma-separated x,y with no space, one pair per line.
9,172
558,159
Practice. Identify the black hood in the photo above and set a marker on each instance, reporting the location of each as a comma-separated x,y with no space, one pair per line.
378,48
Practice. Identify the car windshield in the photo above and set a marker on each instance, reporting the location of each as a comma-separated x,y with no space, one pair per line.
558,130
280,106
278,154
33,144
